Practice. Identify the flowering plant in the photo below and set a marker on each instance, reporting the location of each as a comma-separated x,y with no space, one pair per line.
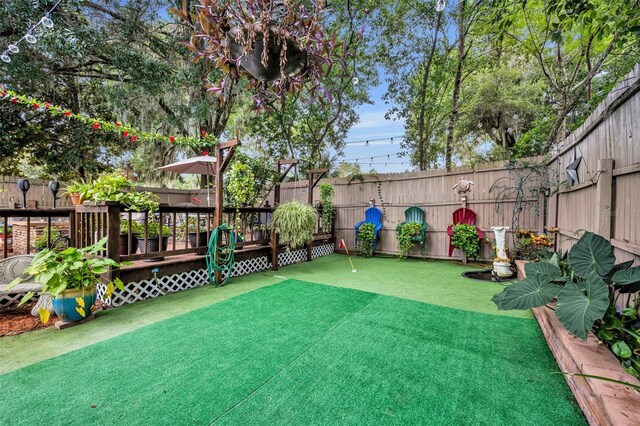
531,245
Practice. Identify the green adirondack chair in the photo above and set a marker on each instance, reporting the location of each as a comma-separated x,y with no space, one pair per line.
415,214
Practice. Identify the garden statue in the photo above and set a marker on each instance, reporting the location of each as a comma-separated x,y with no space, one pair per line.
462,187
501,263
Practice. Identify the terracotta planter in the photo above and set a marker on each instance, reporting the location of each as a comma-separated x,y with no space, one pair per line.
75,199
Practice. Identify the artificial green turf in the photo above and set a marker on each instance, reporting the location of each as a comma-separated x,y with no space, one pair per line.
436,282
302,353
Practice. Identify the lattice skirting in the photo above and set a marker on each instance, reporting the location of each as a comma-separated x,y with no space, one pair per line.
146,289
10,299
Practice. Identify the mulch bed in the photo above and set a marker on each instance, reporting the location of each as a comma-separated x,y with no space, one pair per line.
18,320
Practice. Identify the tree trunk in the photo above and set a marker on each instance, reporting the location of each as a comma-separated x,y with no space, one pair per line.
457,82
422,141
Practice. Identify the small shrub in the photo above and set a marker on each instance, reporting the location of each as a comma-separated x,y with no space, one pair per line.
465,238
326,197
365,239
406,233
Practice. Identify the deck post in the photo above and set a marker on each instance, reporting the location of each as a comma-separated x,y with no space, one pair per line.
276,200
313,177
222,162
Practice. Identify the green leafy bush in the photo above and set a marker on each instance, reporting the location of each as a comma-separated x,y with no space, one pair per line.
240,185
121,190
406,233
326,197
586,284
365,239
465,238
295,223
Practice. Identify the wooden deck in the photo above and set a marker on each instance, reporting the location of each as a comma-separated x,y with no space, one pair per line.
141,270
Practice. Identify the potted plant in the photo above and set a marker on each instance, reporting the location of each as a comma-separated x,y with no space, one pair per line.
136,230
197,235
465,238
589,289
77,190
70,277
112,187
365,239
153,238
295,223
407,234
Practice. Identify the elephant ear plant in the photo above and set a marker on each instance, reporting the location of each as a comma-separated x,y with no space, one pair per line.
295,223
586,284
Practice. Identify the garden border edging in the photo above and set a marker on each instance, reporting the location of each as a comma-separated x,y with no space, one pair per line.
602,402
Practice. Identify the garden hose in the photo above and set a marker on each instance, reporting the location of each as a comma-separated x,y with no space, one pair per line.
220,259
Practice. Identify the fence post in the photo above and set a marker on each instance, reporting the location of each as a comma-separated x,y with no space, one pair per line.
604,198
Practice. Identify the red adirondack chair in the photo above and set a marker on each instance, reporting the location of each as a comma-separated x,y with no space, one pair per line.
462,216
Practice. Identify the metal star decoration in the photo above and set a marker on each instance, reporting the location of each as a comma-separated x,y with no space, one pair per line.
572,171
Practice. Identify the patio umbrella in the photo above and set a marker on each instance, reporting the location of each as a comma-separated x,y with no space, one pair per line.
202,165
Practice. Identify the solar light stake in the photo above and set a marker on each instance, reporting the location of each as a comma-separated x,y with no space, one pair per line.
24,185
54,187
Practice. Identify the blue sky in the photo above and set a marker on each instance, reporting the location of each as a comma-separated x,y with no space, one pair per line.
373,125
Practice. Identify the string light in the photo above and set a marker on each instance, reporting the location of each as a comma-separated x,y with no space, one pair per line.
29,37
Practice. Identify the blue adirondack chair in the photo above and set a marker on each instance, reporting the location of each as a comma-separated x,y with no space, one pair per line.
371,215
415,214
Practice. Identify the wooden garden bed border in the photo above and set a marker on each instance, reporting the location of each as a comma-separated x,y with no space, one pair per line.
602,402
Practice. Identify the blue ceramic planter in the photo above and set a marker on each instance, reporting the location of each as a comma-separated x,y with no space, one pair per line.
69,304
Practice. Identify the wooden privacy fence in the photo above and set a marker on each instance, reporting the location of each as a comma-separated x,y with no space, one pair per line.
431,190
607,199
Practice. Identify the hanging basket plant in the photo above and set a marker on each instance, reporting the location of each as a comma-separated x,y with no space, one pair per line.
279,46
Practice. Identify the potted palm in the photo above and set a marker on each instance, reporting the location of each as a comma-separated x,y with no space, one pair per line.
70,277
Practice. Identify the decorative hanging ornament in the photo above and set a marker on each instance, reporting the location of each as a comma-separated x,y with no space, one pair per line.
572,171
29,37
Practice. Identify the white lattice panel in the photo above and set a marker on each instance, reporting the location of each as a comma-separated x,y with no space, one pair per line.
146,289
10,299
289,257
323,250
